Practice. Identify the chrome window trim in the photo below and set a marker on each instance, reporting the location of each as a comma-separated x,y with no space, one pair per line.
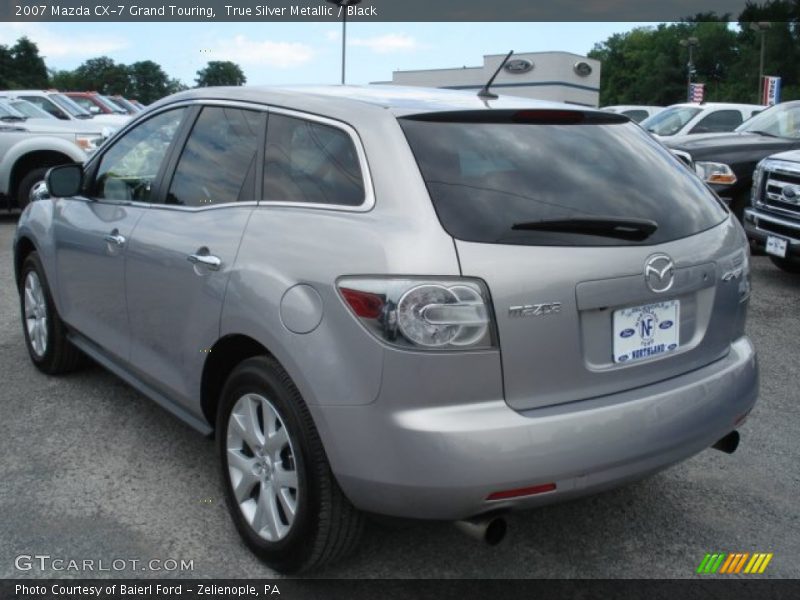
369,194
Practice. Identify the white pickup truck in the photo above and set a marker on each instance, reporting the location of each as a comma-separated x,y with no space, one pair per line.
29,147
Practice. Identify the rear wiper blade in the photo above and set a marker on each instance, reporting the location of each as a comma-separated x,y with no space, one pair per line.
635,230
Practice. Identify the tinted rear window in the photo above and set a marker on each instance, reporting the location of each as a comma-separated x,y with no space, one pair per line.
484,178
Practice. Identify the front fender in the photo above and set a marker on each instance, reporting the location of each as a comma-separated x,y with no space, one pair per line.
36,143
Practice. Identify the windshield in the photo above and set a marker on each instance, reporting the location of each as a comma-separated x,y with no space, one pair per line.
30,110
499,182
126,103
670,120
111,104
7,112
68,105
782,120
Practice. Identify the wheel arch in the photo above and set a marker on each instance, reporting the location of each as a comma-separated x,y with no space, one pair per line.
223,357
23,247
35,159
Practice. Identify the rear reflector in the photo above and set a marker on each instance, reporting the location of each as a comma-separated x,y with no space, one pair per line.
528,491
364,304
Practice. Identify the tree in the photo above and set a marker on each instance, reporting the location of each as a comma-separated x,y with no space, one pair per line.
6,69
27,67
220,73
102,75
148,81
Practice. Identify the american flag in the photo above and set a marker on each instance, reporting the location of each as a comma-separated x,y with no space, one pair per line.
696,92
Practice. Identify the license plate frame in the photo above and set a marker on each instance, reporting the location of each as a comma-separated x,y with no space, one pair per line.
645,331
776,246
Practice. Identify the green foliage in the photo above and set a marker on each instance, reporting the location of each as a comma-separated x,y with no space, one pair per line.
220,72
649,65
21,67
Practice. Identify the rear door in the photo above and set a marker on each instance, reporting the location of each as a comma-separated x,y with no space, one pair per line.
183,250
583,309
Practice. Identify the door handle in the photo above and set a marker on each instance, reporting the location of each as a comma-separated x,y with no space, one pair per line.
213,263
115,238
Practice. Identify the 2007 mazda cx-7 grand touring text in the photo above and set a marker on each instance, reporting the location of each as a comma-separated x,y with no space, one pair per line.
408,302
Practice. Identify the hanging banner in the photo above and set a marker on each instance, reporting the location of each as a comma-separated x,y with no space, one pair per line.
772,90
697,92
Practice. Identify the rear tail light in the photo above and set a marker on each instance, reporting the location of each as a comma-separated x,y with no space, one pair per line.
420,313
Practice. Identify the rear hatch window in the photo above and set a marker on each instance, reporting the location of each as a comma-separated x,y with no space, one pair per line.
556,178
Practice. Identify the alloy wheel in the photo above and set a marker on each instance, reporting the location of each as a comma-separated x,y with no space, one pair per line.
262,467
35,306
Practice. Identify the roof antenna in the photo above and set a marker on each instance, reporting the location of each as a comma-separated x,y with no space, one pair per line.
486,93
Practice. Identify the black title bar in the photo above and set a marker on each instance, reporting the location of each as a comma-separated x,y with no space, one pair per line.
365,11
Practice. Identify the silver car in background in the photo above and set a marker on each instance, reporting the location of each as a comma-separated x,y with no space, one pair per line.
399,301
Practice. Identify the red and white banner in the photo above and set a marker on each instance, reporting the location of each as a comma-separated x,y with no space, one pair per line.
772,90
697,92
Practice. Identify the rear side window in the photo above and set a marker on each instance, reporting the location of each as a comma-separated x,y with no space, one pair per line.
218,163
718,122
486,178
311,162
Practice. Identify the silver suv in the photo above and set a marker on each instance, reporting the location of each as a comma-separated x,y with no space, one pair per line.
408,302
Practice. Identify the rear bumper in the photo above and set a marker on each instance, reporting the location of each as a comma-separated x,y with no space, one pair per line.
758,225
442,463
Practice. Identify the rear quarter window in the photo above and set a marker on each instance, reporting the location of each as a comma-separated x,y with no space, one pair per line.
484,178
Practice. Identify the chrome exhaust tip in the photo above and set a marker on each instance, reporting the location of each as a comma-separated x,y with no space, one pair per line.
728,444
490,530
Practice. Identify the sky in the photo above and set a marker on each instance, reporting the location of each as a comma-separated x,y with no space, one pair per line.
297,53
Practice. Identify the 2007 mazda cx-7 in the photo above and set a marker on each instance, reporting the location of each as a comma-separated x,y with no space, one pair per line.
407,302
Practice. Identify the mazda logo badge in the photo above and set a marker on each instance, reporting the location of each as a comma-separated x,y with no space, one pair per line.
659,273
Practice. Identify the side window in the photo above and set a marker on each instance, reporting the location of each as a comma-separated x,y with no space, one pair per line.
129,168
311,162
719,121
47,106
218,163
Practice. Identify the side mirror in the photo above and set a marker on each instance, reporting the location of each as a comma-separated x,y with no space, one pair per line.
64,180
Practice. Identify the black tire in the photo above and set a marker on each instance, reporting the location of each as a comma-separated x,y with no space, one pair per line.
786,264
326,526
27,183
59,355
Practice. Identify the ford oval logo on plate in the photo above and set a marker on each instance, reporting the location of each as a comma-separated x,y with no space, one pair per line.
665,324
626,333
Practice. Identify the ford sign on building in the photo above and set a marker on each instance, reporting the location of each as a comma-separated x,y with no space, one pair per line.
557,76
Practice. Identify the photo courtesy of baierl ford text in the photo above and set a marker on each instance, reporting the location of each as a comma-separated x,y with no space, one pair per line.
356,299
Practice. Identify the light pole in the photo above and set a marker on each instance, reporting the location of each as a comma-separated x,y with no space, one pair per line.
343,4
761,27
691,43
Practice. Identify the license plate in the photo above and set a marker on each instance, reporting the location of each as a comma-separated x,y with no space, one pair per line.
776,246
642,332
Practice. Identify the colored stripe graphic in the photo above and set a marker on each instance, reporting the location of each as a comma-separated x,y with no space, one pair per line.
734,563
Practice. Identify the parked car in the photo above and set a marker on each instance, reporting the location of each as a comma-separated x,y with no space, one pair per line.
61,107
772,222
637,113
28,109
692,119
126,104
330,293
95,103
726,161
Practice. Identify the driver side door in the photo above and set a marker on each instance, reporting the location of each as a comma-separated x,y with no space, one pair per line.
92,231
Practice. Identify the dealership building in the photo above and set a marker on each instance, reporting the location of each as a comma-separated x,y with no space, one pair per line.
557,76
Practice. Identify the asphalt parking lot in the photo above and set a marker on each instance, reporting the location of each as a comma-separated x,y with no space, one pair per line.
90,469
